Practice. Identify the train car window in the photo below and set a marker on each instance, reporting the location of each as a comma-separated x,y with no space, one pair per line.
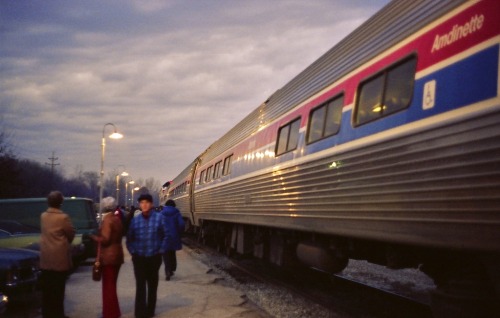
227,165
293,140
316,123
288,137
202,177
217,170
399,87
386,93
324,120
209,174
282,140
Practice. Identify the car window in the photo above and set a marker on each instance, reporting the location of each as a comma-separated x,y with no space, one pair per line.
24,216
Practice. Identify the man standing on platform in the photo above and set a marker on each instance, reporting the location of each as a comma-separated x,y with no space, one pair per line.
147,239
57,233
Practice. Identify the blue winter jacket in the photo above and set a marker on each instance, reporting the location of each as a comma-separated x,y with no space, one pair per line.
175,226
148,236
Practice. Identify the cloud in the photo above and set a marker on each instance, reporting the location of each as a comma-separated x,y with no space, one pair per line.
174,76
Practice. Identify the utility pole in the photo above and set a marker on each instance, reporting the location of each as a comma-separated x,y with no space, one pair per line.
52,164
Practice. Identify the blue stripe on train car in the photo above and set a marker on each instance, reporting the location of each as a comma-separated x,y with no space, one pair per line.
468,81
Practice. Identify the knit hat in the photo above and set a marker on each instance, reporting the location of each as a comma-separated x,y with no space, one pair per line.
146,197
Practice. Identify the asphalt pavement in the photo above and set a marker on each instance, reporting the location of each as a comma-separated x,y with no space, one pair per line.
192,292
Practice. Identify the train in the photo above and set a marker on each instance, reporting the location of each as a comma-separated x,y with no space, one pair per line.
386,149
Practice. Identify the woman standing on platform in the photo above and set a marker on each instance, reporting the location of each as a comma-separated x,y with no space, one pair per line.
110,239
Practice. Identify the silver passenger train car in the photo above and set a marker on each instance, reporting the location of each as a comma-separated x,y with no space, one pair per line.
387,148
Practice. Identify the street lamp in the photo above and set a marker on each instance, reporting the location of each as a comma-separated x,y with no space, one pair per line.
114,135
126,191
134,189
123,174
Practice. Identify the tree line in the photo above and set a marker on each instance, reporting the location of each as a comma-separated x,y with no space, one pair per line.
24,178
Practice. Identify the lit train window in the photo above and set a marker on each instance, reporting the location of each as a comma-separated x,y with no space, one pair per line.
288,137
387,92
324,120
217,170
226,169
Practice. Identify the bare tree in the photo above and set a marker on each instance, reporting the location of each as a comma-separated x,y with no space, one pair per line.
10,183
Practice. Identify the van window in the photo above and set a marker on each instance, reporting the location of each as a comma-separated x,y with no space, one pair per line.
23,216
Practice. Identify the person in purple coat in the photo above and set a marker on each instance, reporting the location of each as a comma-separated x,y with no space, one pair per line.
175,225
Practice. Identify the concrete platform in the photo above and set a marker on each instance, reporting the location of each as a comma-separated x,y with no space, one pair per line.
192,292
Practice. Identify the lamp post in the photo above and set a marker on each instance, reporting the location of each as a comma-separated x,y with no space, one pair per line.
123,174
126,191
114,135
134,189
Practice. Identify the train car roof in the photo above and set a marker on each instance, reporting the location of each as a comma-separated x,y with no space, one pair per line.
396,21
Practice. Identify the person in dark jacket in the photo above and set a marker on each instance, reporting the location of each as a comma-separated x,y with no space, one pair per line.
175,224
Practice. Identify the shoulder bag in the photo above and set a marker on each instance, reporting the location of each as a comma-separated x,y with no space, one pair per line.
97,268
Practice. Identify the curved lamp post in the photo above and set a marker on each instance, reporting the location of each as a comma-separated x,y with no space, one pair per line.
131,182
134,189
114,135
123,174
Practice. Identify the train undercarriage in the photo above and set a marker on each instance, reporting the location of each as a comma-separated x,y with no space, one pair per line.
468,284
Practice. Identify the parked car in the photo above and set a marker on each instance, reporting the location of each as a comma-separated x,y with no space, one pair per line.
20,224
19,273
3,303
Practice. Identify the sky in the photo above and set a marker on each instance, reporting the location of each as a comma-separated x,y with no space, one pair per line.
172,75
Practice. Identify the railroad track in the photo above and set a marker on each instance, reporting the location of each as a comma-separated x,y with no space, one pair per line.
333,292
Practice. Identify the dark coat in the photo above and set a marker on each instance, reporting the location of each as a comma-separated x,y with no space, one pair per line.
175,225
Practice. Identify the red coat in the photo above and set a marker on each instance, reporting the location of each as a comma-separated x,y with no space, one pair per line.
111,240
